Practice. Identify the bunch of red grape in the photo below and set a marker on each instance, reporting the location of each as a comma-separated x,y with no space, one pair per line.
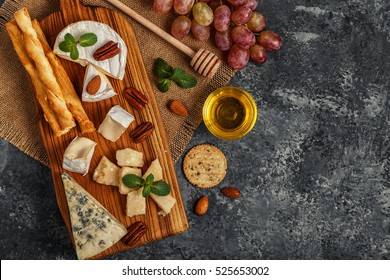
239,29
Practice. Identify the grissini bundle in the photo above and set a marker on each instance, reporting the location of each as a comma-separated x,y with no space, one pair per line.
35,51
70,96
40,90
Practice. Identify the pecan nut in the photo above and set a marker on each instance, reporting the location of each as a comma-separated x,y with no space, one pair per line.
108,50
134,233
135,98
141,132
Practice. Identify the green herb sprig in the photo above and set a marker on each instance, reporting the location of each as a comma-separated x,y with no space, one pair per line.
166,73
70,44
159,188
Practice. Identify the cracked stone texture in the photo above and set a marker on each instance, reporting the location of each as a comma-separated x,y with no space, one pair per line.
314,172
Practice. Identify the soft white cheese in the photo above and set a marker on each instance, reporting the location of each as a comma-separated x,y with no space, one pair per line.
94,228
105,90
114,67
78,155
115,123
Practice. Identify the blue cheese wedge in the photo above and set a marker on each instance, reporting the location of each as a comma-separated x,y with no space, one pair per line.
115,123
114,66
105,90
106,173
136,203
78,155
94,228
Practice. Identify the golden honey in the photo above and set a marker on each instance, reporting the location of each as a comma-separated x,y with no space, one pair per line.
229,113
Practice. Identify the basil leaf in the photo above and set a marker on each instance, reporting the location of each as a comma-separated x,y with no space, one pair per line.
88,39
132,181
74,53
66,46
146,191
69,37
163,85
162,69
149,179
178,74
160,188
186,81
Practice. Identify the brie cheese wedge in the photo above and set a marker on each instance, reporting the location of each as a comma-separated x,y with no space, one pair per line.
105,90
115,123
94,228
114,67
78,155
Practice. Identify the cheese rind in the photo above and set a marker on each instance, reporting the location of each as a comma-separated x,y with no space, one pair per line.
114,67
105,90
115,123
129,157
106,173
155,169
78,155
94,228
136,203
125,171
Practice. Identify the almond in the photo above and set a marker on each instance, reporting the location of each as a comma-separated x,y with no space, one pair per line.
231,192
94,85
178,108
201,206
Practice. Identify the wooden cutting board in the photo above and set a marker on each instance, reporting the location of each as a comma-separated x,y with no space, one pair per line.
155,146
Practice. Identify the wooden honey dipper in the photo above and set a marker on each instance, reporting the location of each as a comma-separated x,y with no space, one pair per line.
203,61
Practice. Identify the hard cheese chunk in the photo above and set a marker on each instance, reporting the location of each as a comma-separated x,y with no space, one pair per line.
136,203
155,169
78,155
105,90
94,228
114,66
124,171
115,123
164,202
129,157
106,173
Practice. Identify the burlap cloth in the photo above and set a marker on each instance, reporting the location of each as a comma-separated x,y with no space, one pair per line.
18,122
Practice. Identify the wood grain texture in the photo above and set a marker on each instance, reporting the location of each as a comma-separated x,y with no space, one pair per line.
155,146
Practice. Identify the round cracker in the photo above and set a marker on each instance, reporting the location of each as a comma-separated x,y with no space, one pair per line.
205,166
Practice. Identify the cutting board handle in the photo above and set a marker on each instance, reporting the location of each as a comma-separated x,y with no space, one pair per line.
73,9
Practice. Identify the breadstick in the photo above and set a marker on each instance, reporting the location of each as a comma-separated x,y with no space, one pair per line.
17,40
45,71
71,98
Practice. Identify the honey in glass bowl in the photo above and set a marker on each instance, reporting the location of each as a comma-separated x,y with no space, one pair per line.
229,113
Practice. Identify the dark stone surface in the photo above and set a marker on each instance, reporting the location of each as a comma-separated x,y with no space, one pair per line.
314,173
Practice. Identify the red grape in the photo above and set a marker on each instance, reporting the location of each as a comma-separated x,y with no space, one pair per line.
222,18
183,7
269,40
200,32
180,27
243,37
215,4
241,16
223,40
162,6
252,4
257,22
238,2
258,54
238,57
